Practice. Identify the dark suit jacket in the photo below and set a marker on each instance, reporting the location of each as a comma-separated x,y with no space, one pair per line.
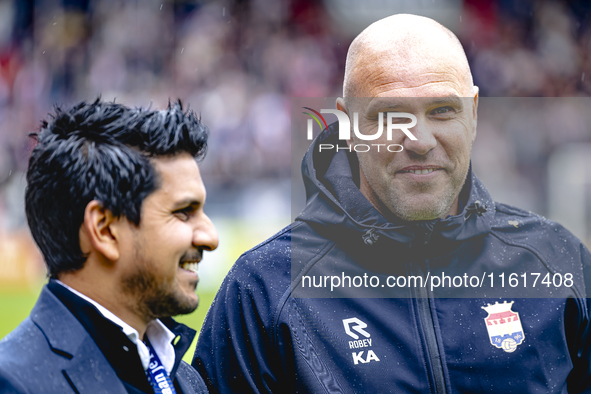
51,352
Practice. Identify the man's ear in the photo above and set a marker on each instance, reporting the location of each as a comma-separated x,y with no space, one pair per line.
98,231
342,106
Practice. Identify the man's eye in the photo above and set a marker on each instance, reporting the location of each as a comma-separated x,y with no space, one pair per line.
442,111
184,213
396,118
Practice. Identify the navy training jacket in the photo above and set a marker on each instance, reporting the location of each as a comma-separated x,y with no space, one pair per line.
278,326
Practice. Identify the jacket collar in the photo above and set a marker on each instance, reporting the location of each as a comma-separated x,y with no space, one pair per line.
185,335
88,369
337,208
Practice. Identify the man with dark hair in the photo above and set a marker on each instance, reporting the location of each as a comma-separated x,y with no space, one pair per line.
114,201
346,299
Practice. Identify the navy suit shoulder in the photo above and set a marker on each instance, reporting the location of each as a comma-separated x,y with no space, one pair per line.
51,352
17,350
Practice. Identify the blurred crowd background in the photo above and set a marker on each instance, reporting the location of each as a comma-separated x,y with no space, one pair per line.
239,63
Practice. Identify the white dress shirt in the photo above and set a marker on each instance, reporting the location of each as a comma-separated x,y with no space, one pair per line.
159,335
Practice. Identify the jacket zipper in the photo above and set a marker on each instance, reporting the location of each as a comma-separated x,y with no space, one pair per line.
426,318
428,324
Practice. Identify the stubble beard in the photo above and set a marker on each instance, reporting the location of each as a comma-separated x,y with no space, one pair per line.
404,205
405,208
151,297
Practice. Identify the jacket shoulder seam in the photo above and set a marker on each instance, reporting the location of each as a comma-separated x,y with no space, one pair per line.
538,254
287,293
511,210
282,232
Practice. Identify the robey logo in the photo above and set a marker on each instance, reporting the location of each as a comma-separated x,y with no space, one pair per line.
358,326
345,130
355,324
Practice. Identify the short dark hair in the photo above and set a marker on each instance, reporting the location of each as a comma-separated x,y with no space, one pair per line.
99,151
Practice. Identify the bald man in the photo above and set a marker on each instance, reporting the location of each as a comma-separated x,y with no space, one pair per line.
341,301
428,62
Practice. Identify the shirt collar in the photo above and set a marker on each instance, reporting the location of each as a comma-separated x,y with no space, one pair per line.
159,335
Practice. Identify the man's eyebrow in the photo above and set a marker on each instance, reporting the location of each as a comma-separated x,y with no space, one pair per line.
456,100
186,202
390,105
383,106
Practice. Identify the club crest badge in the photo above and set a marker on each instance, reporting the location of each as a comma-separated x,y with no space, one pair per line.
504,326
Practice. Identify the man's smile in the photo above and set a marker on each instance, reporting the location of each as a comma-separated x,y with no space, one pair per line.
191,266
420,173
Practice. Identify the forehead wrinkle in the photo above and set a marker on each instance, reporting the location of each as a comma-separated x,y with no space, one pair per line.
371,74
386,104
379,87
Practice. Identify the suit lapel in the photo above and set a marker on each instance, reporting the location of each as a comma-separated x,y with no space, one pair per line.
91,373
88,370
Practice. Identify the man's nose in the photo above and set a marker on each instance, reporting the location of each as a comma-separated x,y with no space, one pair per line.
425,139
205,236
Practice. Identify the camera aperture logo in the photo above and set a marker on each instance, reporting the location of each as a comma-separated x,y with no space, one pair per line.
345,130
